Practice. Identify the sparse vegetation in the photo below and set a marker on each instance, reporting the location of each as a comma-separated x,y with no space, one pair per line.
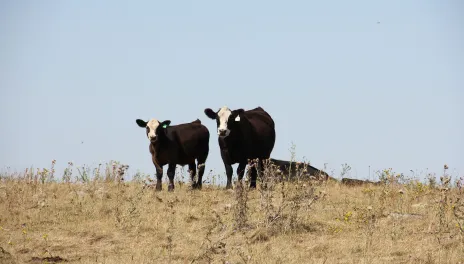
99,217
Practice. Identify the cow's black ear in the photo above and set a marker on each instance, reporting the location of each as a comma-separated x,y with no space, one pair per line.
141,123
165,123
210,113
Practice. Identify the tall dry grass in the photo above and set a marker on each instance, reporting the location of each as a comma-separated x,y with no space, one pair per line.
95,216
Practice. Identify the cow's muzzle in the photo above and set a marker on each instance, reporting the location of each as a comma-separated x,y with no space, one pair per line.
222,132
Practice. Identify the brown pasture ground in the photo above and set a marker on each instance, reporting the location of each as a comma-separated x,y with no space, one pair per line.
117,222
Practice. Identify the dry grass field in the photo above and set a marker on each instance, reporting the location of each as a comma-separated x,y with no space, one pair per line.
104,219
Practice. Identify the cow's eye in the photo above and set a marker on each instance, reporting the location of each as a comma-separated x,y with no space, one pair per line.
148,130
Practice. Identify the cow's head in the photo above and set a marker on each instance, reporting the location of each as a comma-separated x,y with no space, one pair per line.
153,127
226,119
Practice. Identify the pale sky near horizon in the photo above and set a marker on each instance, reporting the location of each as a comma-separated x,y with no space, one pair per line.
367,83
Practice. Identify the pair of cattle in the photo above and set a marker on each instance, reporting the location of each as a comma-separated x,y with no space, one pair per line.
242,135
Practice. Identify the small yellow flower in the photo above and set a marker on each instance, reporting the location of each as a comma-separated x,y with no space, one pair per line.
347,216
24,231
45,236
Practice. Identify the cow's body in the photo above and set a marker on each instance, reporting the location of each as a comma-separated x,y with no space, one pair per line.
243,135
356,182
299,168
177,145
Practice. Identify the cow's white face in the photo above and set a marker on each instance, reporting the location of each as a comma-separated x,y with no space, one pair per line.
223,117
152,126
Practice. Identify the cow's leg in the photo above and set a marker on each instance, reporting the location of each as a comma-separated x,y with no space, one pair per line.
171,173
229,175
159,178
192,172
201,170
254,172
259,169
159,174
241,170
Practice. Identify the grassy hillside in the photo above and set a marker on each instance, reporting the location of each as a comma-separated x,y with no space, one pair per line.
106,220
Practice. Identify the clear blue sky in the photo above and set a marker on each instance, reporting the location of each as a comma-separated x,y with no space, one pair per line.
341,86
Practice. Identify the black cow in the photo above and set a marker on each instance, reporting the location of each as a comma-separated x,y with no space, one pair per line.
177,145
243,135
356,182
303,169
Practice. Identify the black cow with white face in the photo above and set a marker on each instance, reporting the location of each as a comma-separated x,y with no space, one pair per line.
243,135
177,145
